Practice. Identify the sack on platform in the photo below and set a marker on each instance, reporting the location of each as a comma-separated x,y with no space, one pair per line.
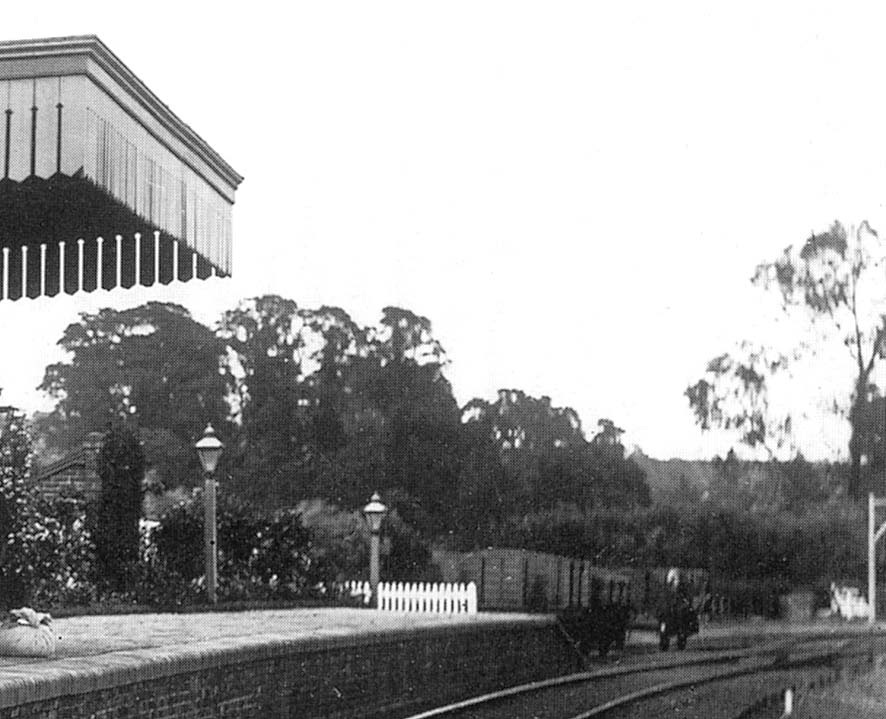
27,633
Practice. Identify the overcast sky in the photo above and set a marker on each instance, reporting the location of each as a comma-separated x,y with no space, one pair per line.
576,194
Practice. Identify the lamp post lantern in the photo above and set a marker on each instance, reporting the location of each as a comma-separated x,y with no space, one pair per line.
209,450
375,512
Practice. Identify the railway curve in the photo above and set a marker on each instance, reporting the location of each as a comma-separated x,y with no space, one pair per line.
746,683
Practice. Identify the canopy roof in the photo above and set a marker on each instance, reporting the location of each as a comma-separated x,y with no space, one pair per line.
101,184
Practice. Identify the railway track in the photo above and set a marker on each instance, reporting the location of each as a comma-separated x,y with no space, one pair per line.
745,683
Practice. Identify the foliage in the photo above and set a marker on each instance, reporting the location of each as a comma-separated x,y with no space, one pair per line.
58,553
329,409
339,541
46,549
340,544
810,547
121,468
261,556
733,394
408,558
546,458
15,451
322,407
833,284
151,367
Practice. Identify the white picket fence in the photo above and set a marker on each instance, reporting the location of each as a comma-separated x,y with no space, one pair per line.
428,598
420,597
356,590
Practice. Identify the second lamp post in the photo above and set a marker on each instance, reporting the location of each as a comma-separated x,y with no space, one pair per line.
375,512
209,450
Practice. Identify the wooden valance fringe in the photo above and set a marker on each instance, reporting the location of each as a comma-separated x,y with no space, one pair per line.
49,269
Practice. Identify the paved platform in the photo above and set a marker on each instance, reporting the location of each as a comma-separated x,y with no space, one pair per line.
88,636
97,653
350,657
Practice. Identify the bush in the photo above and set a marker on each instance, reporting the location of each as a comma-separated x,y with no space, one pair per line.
58,550
341,539
15,458
46,552
260,556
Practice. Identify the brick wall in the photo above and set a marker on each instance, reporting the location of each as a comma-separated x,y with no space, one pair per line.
392,674
75,474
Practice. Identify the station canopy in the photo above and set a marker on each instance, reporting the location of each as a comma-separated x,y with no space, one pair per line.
101,185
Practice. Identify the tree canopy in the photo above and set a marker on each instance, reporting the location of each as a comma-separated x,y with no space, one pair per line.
312,404
832,284
152,367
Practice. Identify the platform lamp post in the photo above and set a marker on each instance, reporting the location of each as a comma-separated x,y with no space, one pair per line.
209,450
375,512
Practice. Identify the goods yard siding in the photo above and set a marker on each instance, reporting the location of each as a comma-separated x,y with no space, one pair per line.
357,673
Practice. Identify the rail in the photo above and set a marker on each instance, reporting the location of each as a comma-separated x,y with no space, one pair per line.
789,662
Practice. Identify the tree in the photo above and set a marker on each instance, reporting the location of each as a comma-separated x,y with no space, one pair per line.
618,480
121,468
153,368
533,440
333,410
287,367
547,460
402,376
833,283
733,395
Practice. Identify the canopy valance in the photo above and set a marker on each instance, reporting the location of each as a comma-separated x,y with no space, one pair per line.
100,183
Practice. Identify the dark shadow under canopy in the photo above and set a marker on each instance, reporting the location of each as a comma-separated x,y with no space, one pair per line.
50,216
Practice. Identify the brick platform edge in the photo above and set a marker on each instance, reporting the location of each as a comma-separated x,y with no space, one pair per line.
367,675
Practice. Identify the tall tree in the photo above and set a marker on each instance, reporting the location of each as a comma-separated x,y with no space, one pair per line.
152,367
833,282
617,480
547,459
263,357
334,410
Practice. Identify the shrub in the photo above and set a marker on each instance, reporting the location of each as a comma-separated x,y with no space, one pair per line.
15,458
341,539
121,466
58,553
260,556
46,552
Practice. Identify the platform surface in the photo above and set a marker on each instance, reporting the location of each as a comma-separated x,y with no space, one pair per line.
92,636
88,636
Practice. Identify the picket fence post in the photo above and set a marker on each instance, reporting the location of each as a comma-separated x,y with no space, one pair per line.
472,598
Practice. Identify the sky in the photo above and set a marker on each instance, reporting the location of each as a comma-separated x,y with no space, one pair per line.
575,194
